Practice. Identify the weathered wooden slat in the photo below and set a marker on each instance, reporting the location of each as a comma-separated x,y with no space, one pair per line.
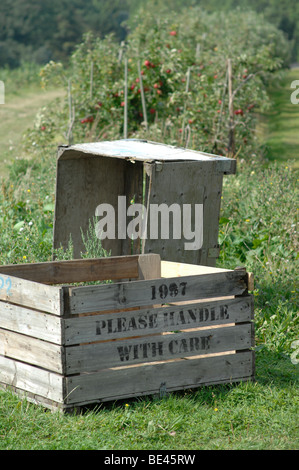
31,322
175,182
98,181
156,320
31,350
93,357
149,266
184,374
31,294
139,293
79,270
32,379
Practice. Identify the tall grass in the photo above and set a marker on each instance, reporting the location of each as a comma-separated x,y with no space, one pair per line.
258,229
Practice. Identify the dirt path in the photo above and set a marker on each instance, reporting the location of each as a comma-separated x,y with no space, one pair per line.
16,115
279,128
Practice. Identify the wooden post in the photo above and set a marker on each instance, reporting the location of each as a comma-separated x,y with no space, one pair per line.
231,136
142,97
91,79
126,101
187,90
71,113
221,111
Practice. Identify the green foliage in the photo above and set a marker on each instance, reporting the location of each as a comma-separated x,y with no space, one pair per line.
49,30
258,230
41,31
20,78
26,212
183,72
285,18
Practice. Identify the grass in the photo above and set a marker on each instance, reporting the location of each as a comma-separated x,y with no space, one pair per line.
16,116
279,127
249,416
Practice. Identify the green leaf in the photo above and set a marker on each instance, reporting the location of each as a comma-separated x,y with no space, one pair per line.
18,225
49,207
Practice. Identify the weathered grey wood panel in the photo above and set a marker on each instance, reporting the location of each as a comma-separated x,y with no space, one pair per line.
31,294
93,357
79,270
31,322
82,185
94,173
140,293
143,380
119,325
181,183
31,350
32,379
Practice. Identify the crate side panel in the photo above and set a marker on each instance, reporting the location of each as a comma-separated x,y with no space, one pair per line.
156,320
31,322
125,382
31,379
31,350
82,185
134,192
182,183
78,270
30,294
93,357
144,293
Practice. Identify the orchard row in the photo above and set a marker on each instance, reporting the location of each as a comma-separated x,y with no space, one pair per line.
176,89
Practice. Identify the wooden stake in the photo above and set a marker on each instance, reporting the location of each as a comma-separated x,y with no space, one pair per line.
71,114
91,79
142,97
221,110
126,101
187,90
231,136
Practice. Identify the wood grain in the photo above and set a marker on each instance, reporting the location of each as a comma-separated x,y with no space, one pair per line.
144,380
140,293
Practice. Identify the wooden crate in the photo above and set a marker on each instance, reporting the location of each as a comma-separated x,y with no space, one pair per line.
149,173
155,328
